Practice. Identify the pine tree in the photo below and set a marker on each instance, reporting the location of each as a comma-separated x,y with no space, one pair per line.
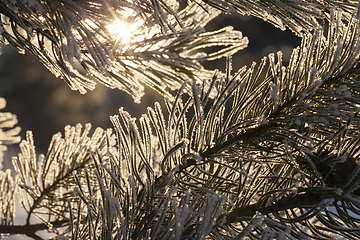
262,152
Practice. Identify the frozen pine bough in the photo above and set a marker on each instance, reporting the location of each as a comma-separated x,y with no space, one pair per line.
122,44
264,152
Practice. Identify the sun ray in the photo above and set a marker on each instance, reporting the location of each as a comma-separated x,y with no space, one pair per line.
120,31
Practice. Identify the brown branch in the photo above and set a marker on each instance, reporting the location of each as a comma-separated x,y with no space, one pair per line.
243,136
52,187
307,200
31,229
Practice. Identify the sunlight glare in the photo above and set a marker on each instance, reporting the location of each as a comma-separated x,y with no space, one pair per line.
120,31
129,28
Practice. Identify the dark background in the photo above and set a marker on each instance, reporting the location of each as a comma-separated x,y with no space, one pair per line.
45,104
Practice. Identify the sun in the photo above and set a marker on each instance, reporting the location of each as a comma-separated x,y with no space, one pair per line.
126,26
120,31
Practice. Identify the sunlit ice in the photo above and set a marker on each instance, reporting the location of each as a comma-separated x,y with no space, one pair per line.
121,31
127,28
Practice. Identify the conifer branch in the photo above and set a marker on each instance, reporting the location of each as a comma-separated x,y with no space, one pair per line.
31,229
254,132
262,153
79,41
55,185
251,133
305,15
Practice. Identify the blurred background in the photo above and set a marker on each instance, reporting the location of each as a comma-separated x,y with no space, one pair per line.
45,104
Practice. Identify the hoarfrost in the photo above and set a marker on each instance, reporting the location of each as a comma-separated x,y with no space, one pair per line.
274,93
8,133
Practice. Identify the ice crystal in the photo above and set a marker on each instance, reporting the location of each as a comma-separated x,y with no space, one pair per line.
8,133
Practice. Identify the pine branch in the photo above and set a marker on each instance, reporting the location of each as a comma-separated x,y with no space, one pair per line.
75,39
8,136
255,132
238,140
260,153
252,133
300,16
41,180
307,200
31,229
55,185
